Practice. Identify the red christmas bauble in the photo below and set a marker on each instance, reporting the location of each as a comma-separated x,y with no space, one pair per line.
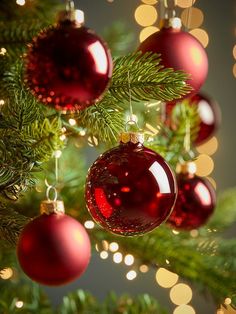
130,190
209,115
68,67
181,51
195,202
53,249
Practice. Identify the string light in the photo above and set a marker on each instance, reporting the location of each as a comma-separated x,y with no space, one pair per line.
19,304
208,148
129,260
117,258
181,294
151,2
131,275
185,3
145,15
89,224
105,245
184,309
147,31
201,35
72,122
2,102
196,20
6,273
144,268
3,51
104,254
175,232
227,301
20,2
113,246
194,233
204,165
166,278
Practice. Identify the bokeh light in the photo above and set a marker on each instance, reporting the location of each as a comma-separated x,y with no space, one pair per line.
201,35
234,52
20,2
19,304
113,246
147,31
129,259
131,275
234,70
166,278
89,224
185,3
205,165
104,255
212,181
208,148
6,273
181,294
184,309
151,2
145,15
143,268
192,17
117,257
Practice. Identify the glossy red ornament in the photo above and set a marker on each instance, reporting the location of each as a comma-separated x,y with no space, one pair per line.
209,115
68,66
181,51
53,249
195,202
130,190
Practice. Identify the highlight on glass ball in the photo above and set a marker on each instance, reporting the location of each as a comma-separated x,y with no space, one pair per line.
179,50
68,66
130,189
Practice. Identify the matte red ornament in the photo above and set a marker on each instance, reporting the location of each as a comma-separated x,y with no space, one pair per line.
195,202
181,51
209,115
130,190
53,249
68,67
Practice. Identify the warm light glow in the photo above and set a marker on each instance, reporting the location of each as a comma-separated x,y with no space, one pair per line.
143,268
72,122
57,153
6,273
113,246
145,15
62,137
166,278
117,257
192,17
208,148
219,311
185,3
105,245
147,31
20,2
100,58
2,102
92,141
89,224
175,232
205,165
184,309
104,254
151,2
19,304
181,294
3,51
212,181
228,301
201,35
129,259
131,275
234,70
194,233
234,52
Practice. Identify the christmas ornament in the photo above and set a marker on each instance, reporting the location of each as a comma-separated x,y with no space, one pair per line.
68,66
195,201
179,50
53,249
209,115
130,189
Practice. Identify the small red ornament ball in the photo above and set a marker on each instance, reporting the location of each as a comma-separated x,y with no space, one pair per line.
130,190
181,51
53,249
195,202
68,67
209,115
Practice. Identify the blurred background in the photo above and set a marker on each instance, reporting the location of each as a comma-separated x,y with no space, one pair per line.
214,24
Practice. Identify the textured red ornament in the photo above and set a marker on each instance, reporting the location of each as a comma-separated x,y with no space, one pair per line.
130,190
181,51
53,249
209,114
195,202
68,67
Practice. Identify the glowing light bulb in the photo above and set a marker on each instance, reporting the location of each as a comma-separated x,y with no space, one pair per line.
113,247
117,257
20,2
131,275
129,259
104,255
89,224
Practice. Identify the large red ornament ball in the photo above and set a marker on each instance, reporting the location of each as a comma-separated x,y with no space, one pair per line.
53,249
130,190
195,202
181,51
209,115
68,67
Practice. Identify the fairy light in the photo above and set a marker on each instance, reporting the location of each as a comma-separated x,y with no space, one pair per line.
227,301
151,2
6,273
113,246
129,260
82,133
147,31
89,224
2,102
3,51
72,122
194,233
131,275
175,232
104,254
184,309
234,70
20,2
167,262
185,3
19,304
166,278
204,165
145,15
209,148
63,137
196,20
57,153
144,268
201,35
181,294
105,245
117,258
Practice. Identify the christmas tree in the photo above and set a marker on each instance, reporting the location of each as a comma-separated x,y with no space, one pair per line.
48,131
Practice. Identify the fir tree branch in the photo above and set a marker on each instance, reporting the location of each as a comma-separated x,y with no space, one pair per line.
148,79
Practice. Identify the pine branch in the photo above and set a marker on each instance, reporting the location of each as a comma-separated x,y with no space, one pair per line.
148,79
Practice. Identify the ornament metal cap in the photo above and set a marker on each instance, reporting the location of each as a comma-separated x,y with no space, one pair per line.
133,137
172,22
72,15
188,167
49,207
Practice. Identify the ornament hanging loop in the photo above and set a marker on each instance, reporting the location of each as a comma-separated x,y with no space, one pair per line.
49,190
70,5
169,6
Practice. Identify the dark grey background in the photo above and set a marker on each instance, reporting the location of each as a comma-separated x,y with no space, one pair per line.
220,23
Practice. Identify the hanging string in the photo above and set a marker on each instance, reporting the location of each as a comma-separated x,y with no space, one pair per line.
130,99
53,187
169,8
70,5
